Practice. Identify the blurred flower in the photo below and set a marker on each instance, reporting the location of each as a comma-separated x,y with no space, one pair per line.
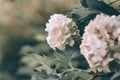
61,31
100,41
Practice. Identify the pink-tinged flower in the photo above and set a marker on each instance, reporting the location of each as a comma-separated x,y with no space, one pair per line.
61,31
101,36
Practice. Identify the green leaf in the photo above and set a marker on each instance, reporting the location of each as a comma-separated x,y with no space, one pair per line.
60,60
44,61
85,75
41,76
76,75
116,76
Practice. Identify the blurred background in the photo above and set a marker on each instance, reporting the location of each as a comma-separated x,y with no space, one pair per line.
22,24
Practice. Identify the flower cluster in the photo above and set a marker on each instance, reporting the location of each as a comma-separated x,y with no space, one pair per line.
101,41
61,31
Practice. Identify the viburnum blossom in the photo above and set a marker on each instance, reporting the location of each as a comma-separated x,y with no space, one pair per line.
61,31
101,41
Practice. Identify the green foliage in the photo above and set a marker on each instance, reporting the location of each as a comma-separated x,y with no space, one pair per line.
43,76
44,61
116,76
59,66
60,60
76,75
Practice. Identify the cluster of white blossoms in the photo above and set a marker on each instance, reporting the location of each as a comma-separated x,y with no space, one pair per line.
61,31
101,41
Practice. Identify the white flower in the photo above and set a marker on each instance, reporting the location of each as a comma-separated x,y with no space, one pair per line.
99,39
61,31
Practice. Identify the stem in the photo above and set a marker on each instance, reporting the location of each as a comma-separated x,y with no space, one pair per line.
70,64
